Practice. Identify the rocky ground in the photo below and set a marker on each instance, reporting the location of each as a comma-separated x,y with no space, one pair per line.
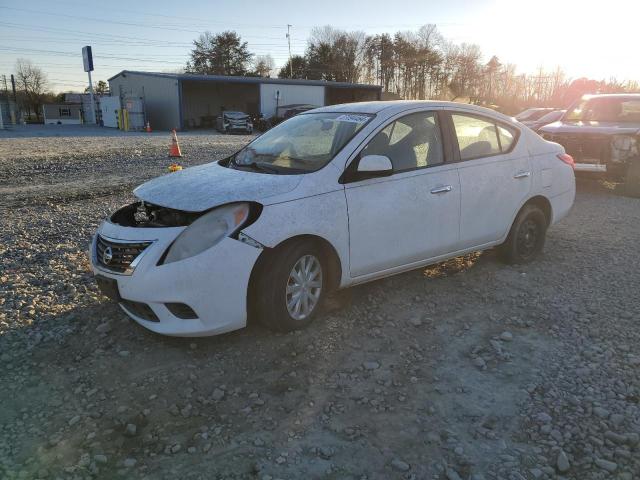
468,369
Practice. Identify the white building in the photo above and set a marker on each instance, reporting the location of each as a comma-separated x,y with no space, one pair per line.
62,113
186,101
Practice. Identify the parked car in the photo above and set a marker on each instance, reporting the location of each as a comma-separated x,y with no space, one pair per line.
233,122
533,114
601,132
546,119
331,198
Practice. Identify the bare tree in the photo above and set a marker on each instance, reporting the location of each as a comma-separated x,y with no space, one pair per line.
32,82
263,65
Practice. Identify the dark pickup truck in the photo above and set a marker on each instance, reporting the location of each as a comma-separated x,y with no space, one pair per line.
602,134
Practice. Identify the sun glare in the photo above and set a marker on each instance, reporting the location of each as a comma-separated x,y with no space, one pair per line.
576,36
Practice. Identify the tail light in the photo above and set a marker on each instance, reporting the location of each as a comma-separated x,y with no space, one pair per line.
568,159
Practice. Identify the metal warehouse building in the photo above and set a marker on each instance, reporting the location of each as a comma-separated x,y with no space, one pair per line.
186,101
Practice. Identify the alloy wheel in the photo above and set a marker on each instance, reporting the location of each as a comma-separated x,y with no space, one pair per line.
304,287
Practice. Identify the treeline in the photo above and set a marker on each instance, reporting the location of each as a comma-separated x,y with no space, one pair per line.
420,64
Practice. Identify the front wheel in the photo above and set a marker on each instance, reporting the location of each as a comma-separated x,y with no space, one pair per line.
291,287
526,238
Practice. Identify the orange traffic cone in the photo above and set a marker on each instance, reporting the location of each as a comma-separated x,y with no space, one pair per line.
148,129
174,149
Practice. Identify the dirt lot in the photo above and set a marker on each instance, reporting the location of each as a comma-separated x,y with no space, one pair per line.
465,370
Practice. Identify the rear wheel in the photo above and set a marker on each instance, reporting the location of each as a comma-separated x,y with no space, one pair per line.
632,179
291,286
526,238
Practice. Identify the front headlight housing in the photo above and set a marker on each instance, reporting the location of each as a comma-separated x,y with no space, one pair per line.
207,231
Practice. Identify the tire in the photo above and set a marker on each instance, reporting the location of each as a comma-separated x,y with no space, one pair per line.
526,238
277,287
632,179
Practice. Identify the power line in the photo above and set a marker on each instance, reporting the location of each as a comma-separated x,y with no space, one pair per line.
114,22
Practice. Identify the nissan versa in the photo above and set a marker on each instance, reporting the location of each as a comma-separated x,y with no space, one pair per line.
330,198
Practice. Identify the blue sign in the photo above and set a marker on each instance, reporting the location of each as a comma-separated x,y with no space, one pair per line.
87,59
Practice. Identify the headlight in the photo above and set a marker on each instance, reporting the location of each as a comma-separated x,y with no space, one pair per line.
207,231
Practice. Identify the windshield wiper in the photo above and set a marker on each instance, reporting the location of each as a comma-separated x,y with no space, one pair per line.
258,166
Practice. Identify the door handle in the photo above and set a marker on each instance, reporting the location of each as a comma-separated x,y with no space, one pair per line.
522,175
443,189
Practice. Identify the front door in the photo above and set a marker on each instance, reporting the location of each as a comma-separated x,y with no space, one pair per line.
412,215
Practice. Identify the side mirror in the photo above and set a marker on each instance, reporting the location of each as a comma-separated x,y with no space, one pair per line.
371,166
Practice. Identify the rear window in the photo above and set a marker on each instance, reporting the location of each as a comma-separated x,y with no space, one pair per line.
481,137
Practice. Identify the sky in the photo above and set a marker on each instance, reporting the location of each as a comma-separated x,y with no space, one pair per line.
596,39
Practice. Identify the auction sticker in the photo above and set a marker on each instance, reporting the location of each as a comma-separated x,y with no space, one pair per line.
350,117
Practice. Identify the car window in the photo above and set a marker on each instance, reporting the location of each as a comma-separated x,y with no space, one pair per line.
476,137
506,138
411,142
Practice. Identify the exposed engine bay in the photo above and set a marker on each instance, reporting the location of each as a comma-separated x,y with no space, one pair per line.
146,215
624,148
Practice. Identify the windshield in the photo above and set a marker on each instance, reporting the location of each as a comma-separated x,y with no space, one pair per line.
605,109
235,114
304,143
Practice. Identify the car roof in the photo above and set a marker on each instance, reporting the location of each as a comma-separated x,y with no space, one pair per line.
399,106
635,96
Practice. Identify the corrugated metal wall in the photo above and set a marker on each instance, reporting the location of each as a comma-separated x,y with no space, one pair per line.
161,97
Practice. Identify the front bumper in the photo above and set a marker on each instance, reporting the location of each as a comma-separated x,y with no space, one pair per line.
240,127
213,284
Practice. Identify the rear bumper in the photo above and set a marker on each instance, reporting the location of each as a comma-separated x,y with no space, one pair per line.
213,283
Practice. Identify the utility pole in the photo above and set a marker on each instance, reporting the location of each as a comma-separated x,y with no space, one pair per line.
13,88
16,111
289,40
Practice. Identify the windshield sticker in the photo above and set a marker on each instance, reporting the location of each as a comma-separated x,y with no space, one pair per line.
353,118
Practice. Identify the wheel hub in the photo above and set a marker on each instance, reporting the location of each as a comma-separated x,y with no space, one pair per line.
304,287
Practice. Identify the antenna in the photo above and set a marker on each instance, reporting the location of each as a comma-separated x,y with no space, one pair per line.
289,40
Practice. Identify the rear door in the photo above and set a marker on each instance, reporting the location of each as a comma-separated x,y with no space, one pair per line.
412,215
495,176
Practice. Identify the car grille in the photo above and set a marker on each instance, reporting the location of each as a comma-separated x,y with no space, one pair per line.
122,254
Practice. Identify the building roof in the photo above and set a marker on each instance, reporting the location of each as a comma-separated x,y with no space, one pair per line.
255,80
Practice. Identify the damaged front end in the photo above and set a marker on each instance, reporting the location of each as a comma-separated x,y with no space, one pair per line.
597,152
624,156
624,148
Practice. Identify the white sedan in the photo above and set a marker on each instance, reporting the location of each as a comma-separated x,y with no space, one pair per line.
331,198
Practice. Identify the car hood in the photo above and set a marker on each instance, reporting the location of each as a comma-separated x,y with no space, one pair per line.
603,128
236,116
201,188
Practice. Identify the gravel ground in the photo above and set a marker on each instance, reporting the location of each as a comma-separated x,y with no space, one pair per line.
468,369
